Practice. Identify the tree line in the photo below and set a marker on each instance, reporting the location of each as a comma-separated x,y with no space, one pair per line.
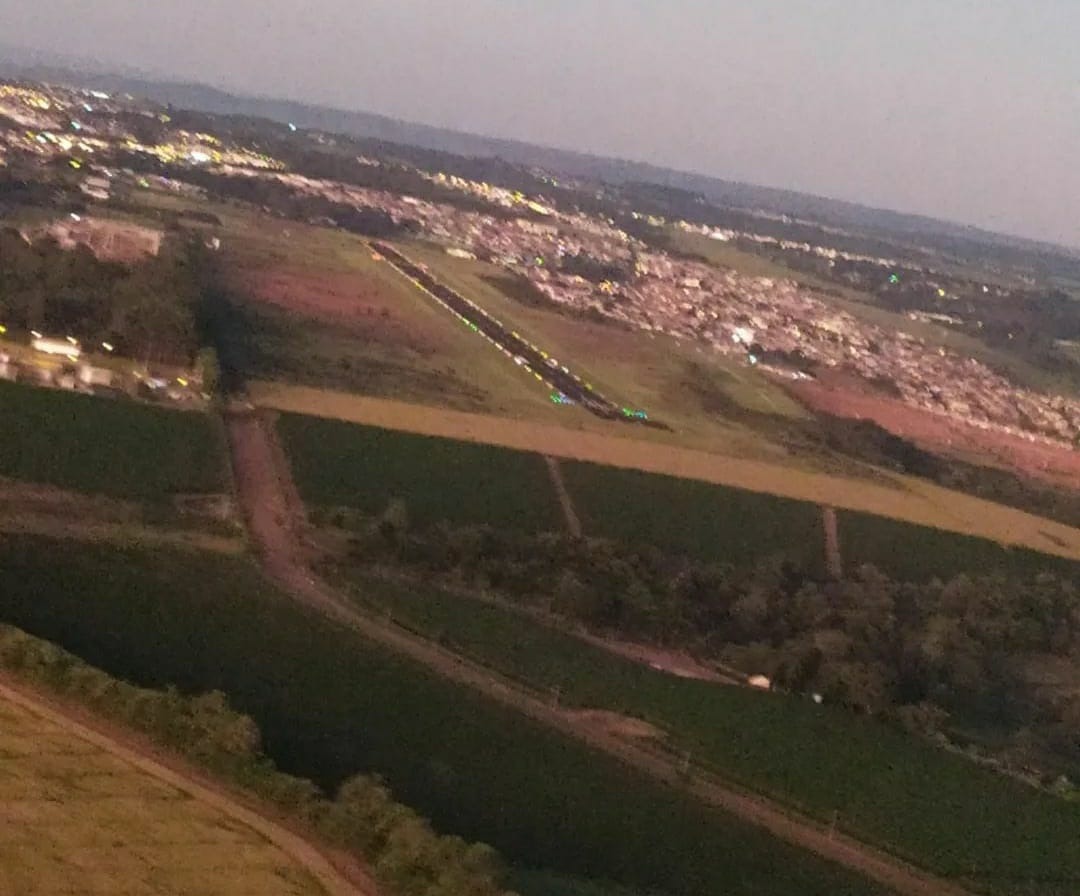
405,853
148,310
978,653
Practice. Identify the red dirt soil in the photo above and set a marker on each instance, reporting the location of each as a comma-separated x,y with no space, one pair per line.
341,298
1057,464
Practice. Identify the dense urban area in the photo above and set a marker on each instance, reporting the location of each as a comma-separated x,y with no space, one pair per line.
582,262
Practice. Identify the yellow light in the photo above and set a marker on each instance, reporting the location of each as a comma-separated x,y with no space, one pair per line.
3,329
181,381
107,346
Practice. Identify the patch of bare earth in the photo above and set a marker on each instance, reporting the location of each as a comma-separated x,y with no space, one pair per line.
669,661
615,724
28,508
942,434
343,298
18,497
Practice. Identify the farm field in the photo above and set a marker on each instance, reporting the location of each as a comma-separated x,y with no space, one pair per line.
933,808
702,520
917,553
331,704
310,305
342,465
77,817
767,496
721,524
111,447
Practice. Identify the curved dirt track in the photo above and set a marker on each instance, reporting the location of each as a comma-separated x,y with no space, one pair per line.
274,518
193,784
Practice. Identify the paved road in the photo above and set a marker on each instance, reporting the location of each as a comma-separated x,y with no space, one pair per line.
276,530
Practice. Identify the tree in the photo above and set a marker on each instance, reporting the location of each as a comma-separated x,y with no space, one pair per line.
209,370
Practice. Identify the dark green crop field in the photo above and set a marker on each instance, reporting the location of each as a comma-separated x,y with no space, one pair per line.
331,704
913,553
106,446
705,521
935,808
339,464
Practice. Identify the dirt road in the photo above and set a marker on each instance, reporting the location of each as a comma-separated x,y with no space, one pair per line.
194,785
573,524
276,530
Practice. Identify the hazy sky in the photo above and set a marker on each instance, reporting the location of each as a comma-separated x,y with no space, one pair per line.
962,109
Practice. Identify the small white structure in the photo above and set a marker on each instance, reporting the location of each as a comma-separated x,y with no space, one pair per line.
96,187
761,682
49,346
94,376
461,253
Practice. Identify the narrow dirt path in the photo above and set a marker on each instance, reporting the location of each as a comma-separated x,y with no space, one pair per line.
195,786
265,503
75,529
834,563
573,524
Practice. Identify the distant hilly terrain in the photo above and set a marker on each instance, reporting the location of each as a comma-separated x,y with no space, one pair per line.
31,65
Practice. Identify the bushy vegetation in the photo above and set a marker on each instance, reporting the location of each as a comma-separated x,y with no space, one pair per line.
343,465
116,448
401,847
938,809
699,519
331,705
961,655
149,310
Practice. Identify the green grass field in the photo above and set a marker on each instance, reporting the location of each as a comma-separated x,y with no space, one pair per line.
650,371
331,704
932,807
106,446
76,819
312,306
344,465
699,519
